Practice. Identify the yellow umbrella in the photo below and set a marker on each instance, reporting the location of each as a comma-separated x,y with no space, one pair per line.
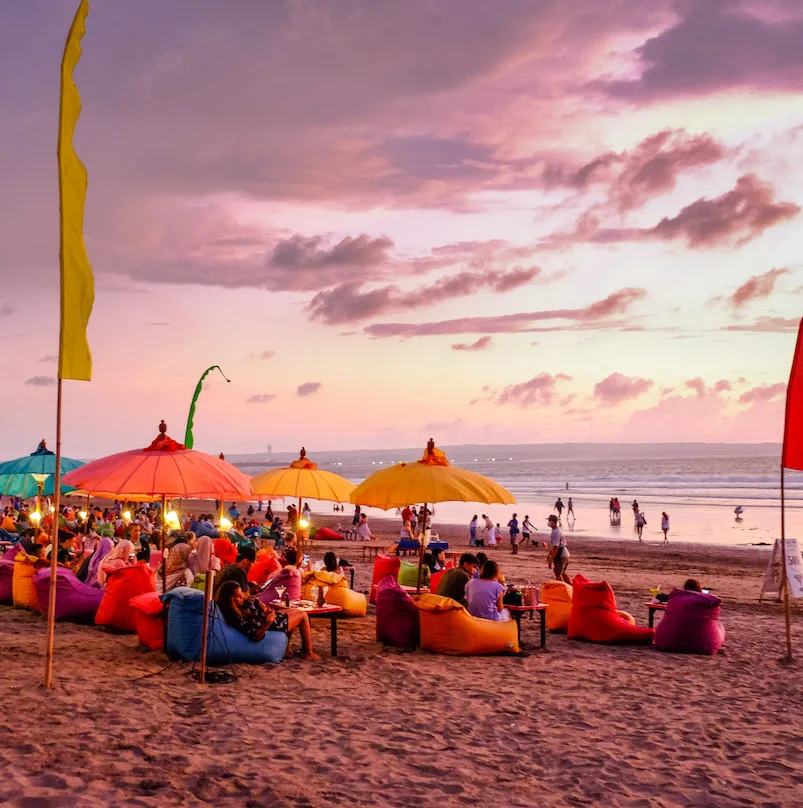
431,479
302,479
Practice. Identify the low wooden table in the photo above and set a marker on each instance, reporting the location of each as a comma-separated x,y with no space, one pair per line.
654,607
516,613
327,611
371,551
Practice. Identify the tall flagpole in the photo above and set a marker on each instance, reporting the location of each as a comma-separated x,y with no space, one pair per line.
54,548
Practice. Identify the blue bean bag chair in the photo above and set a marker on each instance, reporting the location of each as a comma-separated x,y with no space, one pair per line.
75,601
225,644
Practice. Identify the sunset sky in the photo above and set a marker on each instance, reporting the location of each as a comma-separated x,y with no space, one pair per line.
506,221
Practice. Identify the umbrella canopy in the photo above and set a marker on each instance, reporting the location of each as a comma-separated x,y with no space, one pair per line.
431,479
302,479
25,486
21,477
163,469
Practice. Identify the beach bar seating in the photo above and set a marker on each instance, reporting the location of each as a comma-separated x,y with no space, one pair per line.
691,624
447,628
384,565
595,618
115,610
408,574
76,602
148,608
558,596
337,593
225,644
22,587
6,581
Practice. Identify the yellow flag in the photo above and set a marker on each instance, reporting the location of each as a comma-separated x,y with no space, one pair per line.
77,282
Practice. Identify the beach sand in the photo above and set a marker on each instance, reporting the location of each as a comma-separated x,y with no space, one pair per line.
576,724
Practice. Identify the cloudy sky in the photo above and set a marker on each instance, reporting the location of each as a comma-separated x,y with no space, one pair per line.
508,221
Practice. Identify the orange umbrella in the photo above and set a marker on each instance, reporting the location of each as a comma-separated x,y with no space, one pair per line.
164,469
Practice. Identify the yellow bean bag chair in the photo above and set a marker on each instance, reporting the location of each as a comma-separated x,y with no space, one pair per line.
558,597
447,628
22,585
354,604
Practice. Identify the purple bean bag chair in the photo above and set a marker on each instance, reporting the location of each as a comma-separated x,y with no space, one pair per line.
690,624
75,601
396,615
6,579
290,580
11,553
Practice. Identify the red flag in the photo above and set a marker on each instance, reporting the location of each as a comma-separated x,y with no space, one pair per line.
793,426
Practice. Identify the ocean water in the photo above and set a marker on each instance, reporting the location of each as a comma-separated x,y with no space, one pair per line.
698,485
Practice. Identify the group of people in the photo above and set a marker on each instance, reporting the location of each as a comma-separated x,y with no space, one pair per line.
493,534
639,517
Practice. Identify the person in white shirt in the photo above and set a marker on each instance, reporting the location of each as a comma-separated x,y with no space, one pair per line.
493,535
558,557
364,531
665,525
527,528
641,520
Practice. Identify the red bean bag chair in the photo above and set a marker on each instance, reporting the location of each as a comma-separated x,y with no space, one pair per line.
225,551
690,624
263,568
435,579
148,609
328,533
396,615
6,581
594,617
122,585
384,565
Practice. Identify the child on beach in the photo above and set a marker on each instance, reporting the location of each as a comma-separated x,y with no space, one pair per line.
665,525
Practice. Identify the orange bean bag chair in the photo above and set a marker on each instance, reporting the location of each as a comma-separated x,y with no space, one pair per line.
23,589
594,617
336,592
384,565
447,628
558,597
148,609
121,585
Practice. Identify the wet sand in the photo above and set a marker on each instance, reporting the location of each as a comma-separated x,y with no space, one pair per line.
573,725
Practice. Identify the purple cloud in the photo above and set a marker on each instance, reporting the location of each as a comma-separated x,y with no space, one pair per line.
260,398
617,388
764,392
308,388
757,287
767,325
263,355
541,389
481,344
41,381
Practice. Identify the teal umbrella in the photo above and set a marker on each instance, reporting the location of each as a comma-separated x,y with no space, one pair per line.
32,475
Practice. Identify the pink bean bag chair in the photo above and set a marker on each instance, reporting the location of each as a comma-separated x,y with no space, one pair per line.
397,620
6,581
384,565
594,617
690,624
288,578
148,609
75,601
121,585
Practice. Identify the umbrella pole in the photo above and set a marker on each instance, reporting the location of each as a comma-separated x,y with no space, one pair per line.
210,582
422,535
40,486
54,543
164,546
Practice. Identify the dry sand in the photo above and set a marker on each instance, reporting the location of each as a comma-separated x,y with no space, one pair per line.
575,725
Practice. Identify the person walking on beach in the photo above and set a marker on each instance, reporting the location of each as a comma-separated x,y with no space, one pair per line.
559,507
641,520
558,557
527,528
569,508
472,531
494,534
513,527
665,525
635,507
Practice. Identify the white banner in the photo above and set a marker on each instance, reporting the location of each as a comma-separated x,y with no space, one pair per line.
794,571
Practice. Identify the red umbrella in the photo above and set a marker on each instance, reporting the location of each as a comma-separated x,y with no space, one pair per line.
164,469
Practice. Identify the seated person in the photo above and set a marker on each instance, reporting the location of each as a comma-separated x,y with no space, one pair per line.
289,577
428,560
484,594
453,583
481,559
175,569
238,571
121,556
439,558
65,555
364,530
225,551
331,563
692,586
254,619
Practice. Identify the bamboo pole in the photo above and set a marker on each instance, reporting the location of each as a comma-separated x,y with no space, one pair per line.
54,543
788,659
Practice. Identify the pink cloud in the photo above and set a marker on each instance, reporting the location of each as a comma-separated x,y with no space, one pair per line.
540,389
616,388
767,325
260,398
308,389
765,392
698,385
481,344
594,316
757,287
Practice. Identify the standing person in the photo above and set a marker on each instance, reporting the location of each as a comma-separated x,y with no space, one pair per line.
640,522
665,525
472,531
292,516
413,521
493,535
570,508
488,523
306,512
356,518
559,507
527,528
558,557
513,527
610,508
634,506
